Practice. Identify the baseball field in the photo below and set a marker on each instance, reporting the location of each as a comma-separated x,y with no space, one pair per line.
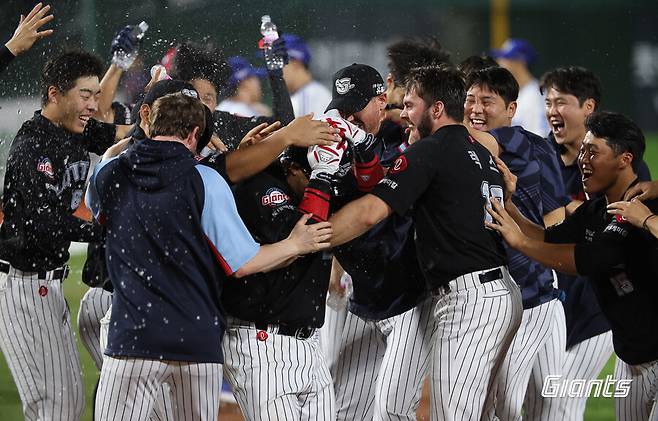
598,409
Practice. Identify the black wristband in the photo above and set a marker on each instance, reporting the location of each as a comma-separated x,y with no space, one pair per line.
644,224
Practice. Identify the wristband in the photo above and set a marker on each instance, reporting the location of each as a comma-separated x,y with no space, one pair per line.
368,174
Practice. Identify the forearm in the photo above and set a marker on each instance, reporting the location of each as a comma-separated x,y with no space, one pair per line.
244,162
281,104
560,257
529,228
109,86
554,217
357,218
269,257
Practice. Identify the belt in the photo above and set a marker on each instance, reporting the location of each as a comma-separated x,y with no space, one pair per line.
295,332
56,274
484,277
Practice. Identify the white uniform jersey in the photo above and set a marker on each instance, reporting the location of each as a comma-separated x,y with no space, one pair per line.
530,110
238,108
312,97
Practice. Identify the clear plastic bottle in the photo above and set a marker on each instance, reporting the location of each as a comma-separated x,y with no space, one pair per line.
125,60
270,34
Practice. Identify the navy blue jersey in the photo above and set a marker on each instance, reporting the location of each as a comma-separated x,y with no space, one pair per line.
173,235
539,190
387,279
616,256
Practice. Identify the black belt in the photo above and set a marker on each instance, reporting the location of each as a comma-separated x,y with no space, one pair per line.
295,332
59,273
492,275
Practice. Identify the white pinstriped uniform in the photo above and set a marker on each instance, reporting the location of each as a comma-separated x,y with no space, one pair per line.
640,404
331,332
130,387
278,378
38,343
537,327
475,326
93,306
382,365
584,360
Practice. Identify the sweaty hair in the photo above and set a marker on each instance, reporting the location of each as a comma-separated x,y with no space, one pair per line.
439,83
193,61
416,52
474,63
177,115
573,80
497,80
63,70
620,133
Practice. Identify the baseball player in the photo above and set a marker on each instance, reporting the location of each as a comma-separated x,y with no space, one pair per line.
273,360
389,309
156,185
46,172
490,106
478,306
611,252
306,94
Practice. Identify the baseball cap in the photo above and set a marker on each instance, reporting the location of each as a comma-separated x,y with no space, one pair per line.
241,70
516,49
172,86
297,48
354,86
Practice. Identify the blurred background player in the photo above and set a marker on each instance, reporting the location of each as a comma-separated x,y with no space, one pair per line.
518,56
307,95
243,93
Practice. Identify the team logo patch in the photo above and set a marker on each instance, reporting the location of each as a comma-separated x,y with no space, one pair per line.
43,291
344,85
379,88
261,335
46,167
399,165
621,219
274,197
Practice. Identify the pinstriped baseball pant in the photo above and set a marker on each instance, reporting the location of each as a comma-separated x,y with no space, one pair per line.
640,404
537,327
382,365
93,306
129,389
38,343
475,326
584,360
278,378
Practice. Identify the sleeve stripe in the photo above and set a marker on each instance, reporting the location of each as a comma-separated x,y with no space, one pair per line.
225,267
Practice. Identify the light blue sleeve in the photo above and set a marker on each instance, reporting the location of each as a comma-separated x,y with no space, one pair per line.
92,198
232,243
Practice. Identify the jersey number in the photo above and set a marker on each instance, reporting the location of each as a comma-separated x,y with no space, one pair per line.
488,192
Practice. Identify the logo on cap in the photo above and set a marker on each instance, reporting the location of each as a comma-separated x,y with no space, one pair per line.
379,88
344,85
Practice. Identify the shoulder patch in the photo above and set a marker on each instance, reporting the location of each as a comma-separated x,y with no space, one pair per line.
46,167
274,197
399,165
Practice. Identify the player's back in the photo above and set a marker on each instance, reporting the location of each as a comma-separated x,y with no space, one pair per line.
163,271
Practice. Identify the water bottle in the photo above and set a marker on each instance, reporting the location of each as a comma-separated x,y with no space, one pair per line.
270,34
163,72
123,59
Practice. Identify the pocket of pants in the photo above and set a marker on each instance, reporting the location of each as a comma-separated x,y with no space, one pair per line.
497,293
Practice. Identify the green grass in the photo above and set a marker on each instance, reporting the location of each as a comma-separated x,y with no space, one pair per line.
598,409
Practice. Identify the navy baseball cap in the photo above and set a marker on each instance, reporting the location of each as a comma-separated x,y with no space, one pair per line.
241,70
297,48
354,86
516,49
172,86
